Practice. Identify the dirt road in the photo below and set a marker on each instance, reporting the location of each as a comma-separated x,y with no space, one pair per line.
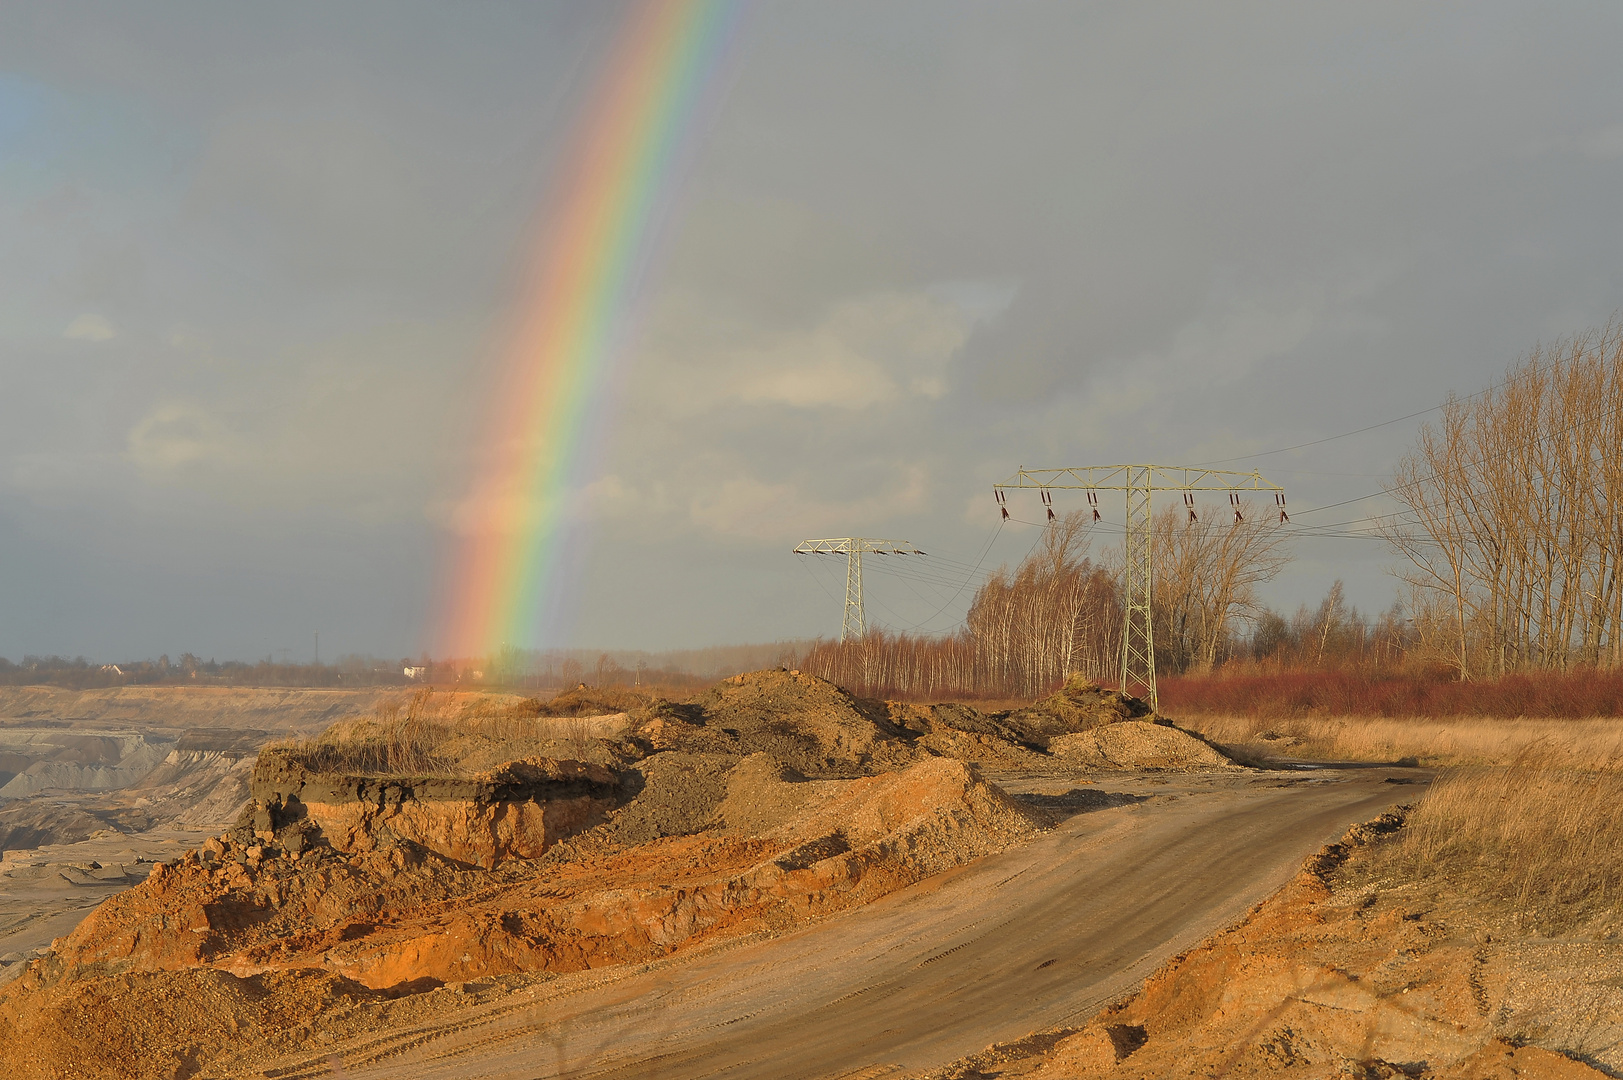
1038,936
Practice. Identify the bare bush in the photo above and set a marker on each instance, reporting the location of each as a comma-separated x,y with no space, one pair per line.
1057,613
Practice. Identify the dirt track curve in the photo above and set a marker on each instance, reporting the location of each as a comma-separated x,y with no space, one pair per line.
1034,937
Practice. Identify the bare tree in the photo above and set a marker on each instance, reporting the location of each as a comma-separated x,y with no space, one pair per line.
1513,513
1206,574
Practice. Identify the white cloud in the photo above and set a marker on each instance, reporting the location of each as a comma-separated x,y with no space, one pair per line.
175,436
813,374
863,351
754,509
90,327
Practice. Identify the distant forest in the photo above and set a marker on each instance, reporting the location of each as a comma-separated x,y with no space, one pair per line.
520,670
79,673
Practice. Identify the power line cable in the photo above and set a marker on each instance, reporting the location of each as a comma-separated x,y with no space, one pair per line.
985,549
1320,442
1386,423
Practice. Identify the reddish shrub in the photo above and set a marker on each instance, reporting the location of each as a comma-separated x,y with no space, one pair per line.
1283,695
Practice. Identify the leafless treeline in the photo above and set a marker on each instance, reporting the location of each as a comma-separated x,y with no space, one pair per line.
1060,612
1332,635
1057,612
1512,525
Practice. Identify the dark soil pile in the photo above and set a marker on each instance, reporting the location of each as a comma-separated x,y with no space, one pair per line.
586,701
807,723
1079,705
668,794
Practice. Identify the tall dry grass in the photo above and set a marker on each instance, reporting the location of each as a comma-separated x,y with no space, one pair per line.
1537,838
399,739
1429,740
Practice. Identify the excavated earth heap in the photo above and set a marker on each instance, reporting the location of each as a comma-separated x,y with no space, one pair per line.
807,723
770,799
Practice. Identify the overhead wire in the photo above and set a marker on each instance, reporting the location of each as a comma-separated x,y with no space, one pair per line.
1472,464
1373,427
985,550
1320,442
819,582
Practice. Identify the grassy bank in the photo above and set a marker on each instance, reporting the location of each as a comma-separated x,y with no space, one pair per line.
1537,835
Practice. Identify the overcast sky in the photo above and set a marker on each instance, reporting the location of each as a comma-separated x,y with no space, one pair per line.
258,262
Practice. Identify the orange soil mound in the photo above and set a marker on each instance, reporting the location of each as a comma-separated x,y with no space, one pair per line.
400,918
337,896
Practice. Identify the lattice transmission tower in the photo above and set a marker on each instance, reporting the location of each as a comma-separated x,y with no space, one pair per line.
853,548
1138,543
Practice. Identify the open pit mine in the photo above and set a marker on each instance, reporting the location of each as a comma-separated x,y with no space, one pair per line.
772,879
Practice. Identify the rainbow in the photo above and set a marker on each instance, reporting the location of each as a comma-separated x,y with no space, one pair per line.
512,569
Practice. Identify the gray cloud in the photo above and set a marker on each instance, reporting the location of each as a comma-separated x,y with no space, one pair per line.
262,264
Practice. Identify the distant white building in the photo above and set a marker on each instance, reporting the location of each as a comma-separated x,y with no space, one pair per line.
416,672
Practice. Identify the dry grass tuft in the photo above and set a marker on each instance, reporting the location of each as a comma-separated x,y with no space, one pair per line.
1524,819
1537,835
427,734
398,740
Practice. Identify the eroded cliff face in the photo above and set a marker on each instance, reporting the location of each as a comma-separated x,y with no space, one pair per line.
516,811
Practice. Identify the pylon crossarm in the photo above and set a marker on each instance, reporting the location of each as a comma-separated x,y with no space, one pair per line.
1126,477
1139,482
848,545
855,624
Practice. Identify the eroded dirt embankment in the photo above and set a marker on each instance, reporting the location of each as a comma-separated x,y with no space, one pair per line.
515,811
1347,972
227,936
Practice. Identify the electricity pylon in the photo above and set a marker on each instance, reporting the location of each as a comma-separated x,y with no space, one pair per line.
1138,545
853,547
